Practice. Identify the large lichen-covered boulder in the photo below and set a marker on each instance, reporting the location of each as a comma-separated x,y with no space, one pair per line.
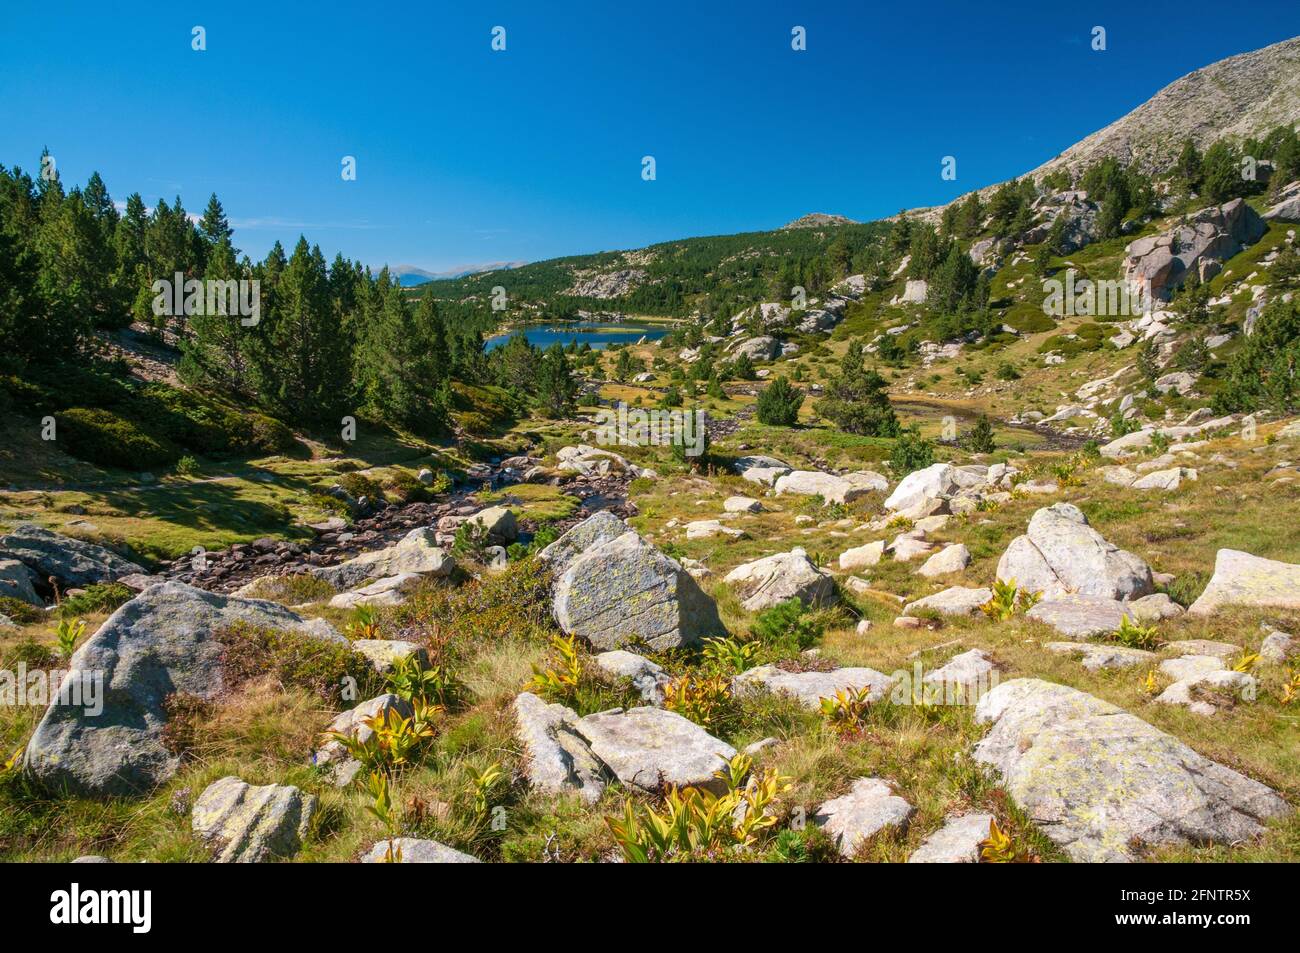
556,758
626,591
1081,617
830,487
1061,554
74,562
247,824
1100,781
1241,579
775,579
160,643
650,749
596,529
417,552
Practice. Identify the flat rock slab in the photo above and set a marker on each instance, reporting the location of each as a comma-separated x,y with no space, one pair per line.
1191,666
161,642
412,850
1222,650
650,749
973,671
381,592
246,824
1080,617
1096,656
952,558
1200,691
870,806
956,600
417,552
861,557
957,842
556,758
811,687
74,562
626,591
1097,780
1241,579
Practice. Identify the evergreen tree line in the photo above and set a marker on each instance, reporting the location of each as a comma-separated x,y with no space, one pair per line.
331,340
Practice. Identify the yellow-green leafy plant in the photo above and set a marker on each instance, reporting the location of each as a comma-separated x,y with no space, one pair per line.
1134,635
1290,694
1000,847
68,634
729,655
847,711
560,682
381,807
485,782
1150,684
1007,600
364,623
393,740
413,681
1246,662
12,764
696,824
704,699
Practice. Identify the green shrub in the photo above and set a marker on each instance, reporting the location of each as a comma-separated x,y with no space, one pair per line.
911,452
293,659
786,628
358,486
98,597
23,613
778,404
102,437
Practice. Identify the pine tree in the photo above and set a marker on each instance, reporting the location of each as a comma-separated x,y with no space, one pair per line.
556,389
857,400
778,404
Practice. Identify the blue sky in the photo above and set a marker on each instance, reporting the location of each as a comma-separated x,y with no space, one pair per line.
465,155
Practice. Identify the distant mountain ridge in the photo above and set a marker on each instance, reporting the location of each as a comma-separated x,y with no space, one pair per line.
409,276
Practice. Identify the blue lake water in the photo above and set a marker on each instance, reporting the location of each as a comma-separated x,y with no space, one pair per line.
594,333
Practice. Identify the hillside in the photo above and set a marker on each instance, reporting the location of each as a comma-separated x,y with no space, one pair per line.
966,538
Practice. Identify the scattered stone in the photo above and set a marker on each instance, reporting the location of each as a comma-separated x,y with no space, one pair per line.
417,552
1060,554
646,676
246,824
1241,579
496,523
1168,480
957,842
412,850
16,582
952,558
1278,648
1098,656
864,625
1199,692
1098,780
625,590
831,488
383,654
1080,617
704,529
809,688
741,504
381,592
1155,608
870,806
775,579
161,642
972,671
74,562
1220,650
862,556
556,758
649,749
933,482
956,600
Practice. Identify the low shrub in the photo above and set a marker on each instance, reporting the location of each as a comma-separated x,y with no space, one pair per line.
104,438
294,659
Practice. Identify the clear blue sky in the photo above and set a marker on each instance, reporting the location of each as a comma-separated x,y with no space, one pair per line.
467,156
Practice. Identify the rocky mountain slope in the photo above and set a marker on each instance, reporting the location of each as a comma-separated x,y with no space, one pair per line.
1241,96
